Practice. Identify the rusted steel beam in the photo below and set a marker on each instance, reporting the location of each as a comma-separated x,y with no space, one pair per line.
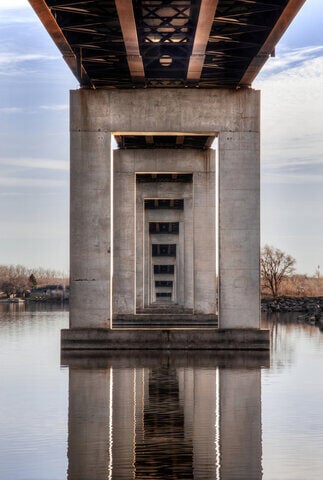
202,34
129,31
287,16
52,27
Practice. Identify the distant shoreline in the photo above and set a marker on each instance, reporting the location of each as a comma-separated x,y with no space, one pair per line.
21,301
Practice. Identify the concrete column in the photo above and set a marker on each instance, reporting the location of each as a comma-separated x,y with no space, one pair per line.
240,424
89,428
239,224
124,234
186,233
90,229
204,236
140,240
147,263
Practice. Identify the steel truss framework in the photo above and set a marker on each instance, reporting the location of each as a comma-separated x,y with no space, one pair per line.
166,43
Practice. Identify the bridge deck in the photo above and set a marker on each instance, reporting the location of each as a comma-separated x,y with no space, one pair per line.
166,43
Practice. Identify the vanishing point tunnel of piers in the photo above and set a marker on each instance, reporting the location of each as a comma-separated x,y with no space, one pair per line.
165,168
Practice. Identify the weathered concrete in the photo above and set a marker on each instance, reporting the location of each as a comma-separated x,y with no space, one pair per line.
234,117
124,233
239,228
204,241
173,110
90,229
178,339
247,359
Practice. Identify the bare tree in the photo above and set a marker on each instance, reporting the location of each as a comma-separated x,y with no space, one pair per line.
275,267
8,288
17,279
32,280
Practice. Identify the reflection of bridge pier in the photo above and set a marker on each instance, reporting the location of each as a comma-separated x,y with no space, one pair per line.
240,424
151,421
89,423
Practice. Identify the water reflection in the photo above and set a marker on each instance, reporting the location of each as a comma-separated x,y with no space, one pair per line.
205,392
166,416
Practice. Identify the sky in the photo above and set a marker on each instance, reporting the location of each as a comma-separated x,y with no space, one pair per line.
34,142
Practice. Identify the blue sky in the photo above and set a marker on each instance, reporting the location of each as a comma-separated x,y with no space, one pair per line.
292,141
34,144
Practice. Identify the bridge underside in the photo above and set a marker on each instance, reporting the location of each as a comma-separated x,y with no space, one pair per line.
166,43
165,228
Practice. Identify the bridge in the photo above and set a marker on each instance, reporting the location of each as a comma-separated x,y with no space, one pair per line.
165,168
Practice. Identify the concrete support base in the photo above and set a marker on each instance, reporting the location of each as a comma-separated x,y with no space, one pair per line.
165,339
100,359
151,320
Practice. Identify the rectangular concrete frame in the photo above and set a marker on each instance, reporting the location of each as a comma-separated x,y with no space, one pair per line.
197,249
233,115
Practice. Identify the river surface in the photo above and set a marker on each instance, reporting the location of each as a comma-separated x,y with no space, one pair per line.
192,416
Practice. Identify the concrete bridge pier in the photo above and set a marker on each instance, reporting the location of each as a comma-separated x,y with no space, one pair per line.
105,192
90,229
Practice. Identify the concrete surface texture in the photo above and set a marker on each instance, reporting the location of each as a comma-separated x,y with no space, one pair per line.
111,260
165,339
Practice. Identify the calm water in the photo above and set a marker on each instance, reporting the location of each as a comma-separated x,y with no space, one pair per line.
137,417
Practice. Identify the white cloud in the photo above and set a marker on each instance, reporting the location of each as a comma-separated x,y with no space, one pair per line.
13,12
32,230
53,108
292,127
9,110
295,163
56,108
31,182
11,58
25,194
15,64
43,163
13,4
296,179
288,58
11,17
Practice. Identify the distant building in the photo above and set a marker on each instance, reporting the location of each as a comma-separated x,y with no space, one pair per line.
47,292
